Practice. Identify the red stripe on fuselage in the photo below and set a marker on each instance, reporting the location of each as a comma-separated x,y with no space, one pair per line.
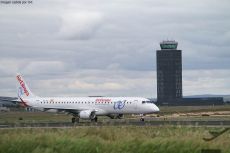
23,103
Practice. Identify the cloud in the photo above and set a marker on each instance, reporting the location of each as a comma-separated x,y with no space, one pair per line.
118,54
93,86
7,68
196,82
91,82
80,25
39,67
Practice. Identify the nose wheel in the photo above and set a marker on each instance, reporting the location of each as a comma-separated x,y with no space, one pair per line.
142,119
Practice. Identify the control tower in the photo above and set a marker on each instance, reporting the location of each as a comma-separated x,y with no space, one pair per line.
169,73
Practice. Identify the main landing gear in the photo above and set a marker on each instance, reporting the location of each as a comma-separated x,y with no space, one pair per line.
94,119
115,116
75,119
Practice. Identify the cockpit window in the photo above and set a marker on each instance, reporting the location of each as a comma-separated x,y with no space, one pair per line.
148,101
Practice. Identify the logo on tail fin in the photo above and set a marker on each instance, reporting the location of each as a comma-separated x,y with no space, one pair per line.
20,92
23,86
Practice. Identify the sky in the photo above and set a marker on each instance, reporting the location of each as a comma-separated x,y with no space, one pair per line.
108,48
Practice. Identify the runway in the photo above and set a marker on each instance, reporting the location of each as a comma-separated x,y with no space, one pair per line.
118,123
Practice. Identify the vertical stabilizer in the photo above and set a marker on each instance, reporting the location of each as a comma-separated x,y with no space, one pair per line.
23,90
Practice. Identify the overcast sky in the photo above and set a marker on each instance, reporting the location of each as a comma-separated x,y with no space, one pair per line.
108,47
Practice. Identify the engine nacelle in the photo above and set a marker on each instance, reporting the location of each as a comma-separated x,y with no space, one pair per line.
87,114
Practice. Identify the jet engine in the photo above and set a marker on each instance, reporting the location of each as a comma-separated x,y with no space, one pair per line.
87,114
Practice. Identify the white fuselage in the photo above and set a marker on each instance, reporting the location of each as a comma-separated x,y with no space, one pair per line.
85,107
101,105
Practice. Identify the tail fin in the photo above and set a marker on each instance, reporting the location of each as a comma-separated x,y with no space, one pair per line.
23,89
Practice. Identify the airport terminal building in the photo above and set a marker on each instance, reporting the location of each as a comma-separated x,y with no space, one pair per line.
169,78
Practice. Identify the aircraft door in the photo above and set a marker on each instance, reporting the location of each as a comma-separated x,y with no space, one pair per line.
38,102
135,104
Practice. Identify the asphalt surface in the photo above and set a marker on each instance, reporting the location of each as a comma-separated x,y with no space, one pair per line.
118,123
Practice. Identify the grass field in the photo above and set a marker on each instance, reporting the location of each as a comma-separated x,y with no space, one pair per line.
31,117
128,139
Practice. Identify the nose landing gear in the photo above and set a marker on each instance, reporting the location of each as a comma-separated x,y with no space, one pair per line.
142,119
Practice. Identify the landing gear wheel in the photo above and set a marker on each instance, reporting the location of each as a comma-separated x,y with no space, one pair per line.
77,119
94,119
142,119
73,120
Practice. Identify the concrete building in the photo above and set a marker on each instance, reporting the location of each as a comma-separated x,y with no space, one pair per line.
169,73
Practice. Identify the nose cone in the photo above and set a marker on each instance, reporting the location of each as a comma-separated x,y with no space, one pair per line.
155,108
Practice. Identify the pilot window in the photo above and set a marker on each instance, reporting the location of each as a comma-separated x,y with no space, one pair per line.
143,102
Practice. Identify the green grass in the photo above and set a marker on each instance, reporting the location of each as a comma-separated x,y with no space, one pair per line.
128,139
31,117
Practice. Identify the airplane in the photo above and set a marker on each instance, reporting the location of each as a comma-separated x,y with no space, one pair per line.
85,107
